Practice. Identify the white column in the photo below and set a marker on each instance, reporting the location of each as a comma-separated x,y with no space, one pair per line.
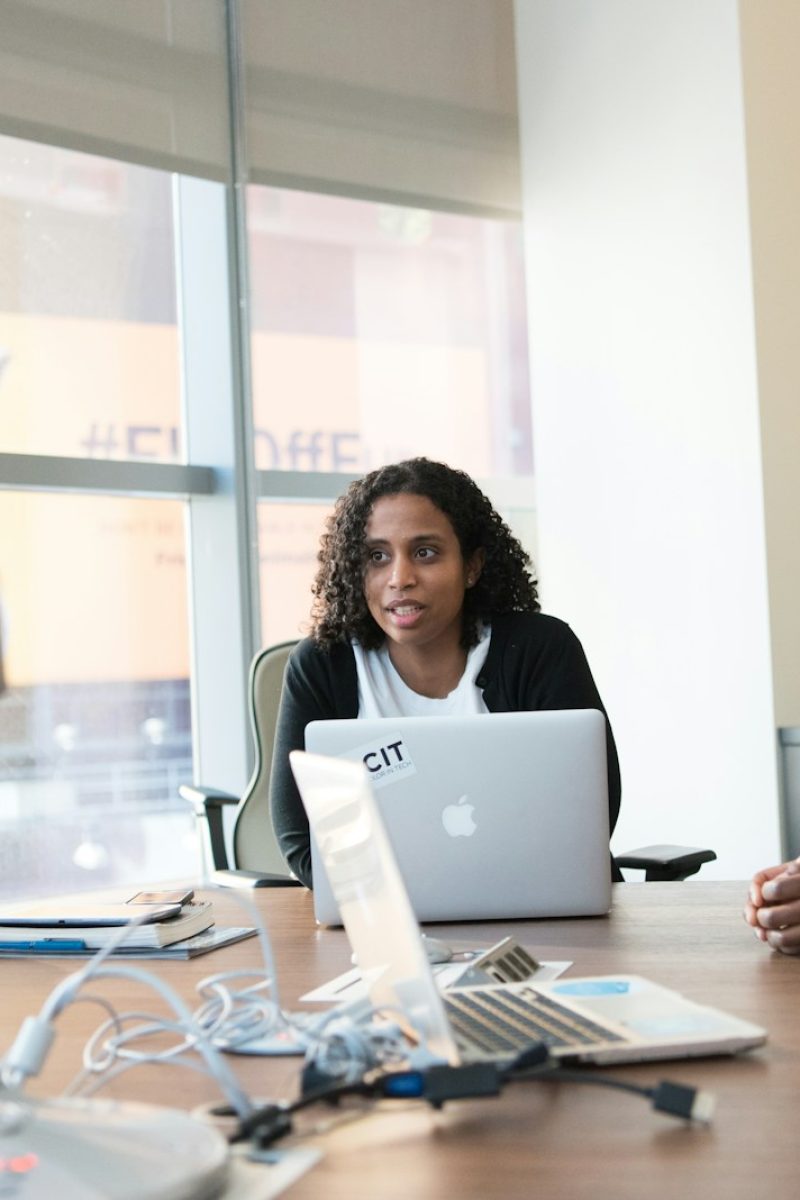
645,403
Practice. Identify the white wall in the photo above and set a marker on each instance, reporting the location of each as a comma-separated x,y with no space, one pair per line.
646,421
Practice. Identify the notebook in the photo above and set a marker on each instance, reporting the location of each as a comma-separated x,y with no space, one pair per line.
495,816
614,1018
72,914
152,932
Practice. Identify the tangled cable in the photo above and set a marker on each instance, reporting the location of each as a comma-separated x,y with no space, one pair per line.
341,1045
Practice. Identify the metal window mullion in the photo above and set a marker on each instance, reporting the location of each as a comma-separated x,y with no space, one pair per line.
218,542
313,486
55,473
238,260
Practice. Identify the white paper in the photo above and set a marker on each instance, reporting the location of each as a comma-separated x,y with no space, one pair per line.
349,986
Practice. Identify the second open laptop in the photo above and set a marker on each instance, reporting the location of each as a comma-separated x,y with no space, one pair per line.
495,816
619,1018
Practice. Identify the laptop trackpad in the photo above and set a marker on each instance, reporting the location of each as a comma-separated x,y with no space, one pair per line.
644,1008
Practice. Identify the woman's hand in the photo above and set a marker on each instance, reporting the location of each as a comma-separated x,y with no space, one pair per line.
773,906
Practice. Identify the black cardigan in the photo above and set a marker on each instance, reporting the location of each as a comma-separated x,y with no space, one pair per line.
534,662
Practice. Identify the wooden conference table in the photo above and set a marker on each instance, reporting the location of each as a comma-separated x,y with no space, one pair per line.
535,1139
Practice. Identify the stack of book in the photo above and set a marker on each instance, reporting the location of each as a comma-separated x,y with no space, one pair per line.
70,929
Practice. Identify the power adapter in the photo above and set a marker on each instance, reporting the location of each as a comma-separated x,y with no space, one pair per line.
440,1083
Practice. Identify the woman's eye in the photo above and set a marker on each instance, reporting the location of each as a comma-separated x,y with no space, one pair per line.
426,552
377,556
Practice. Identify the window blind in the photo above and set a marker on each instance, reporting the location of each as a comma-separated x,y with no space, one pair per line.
141,80
413,101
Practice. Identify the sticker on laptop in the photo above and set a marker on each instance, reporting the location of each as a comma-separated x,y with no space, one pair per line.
594,987
387,760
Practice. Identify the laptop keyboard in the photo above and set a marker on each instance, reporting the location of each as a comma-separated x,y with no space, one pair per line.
501,1021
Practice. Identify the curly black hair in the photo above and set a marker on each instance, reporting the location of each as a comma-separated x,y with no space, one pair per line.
505,585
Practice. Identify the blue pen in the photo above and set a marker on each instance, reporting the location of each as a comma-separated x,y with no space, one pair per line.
47,946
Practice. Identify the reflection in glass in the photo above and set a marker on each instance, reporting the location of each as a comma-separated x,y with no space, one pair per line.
381,332
89,362
95,722
288,541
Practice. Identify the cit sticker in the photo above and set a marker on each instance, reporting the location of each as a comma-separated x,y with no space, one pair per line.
387,761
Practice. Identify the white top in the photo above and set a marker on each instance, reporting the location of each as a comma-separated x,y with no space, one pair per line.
382,693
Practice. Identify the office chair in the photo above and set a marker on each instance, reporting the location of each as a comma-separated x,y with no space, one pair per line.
257,859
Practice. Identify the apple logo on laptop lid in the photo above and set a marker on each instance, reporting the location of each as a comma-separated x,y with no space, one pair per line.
458,820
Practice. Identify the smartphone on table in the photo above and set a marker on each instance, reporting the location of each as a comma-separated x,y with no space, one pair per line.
177,896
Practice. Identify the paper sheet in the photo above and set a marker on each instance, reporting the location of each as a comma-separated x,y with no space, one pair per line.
349,986
278,1169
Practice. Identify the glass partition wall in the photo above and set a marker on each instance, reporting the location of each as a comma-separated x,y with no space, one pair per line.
283,268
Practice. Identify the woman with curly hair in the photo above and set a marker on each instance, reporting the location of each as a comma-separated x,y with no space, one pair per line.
423,604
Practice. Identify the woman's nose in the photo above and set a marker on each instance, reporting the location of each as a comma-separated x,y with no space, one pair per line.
402,575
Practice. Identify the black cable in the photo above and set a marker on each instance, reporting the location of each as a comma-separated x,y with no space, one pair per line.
440,1083
675,1099
554,1072
271,1121
536,1062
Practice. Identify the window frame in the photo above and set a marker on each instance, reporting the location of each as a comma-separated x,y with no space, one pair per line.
219,483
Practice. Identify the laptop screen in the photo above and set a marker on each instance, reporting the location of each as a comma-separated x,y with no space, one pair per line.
371,895
490,817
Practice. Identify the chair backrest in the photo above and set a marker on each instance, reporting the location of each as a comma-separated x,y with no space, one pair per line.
254,844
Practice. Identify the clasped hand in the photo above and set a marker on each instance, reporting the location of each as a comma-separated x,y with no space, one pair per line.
773,906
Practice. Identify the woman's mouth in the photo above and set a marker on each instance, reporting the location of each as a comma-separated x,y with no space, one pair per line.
405,615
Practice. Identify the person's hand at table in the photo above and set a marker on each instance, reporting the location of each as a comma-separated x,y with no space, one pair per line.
773,906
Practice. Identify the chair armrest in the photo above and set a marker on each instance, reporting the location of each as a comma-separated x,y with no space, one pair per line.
209,803
201,798
666,863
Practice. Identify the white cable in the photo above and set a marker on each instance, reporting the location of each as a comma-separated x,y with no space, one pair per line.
346,1049
90,1086
216,1063
338,1044
64,992
30,1048
116,1045
32,1043
232,1018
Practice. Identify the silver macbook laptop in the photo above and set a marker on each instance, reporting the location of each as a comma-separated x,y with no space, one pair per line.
609,1018
495,816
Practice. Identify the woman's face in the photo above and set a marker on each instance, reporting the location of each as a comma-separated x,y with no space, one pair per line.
416,575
